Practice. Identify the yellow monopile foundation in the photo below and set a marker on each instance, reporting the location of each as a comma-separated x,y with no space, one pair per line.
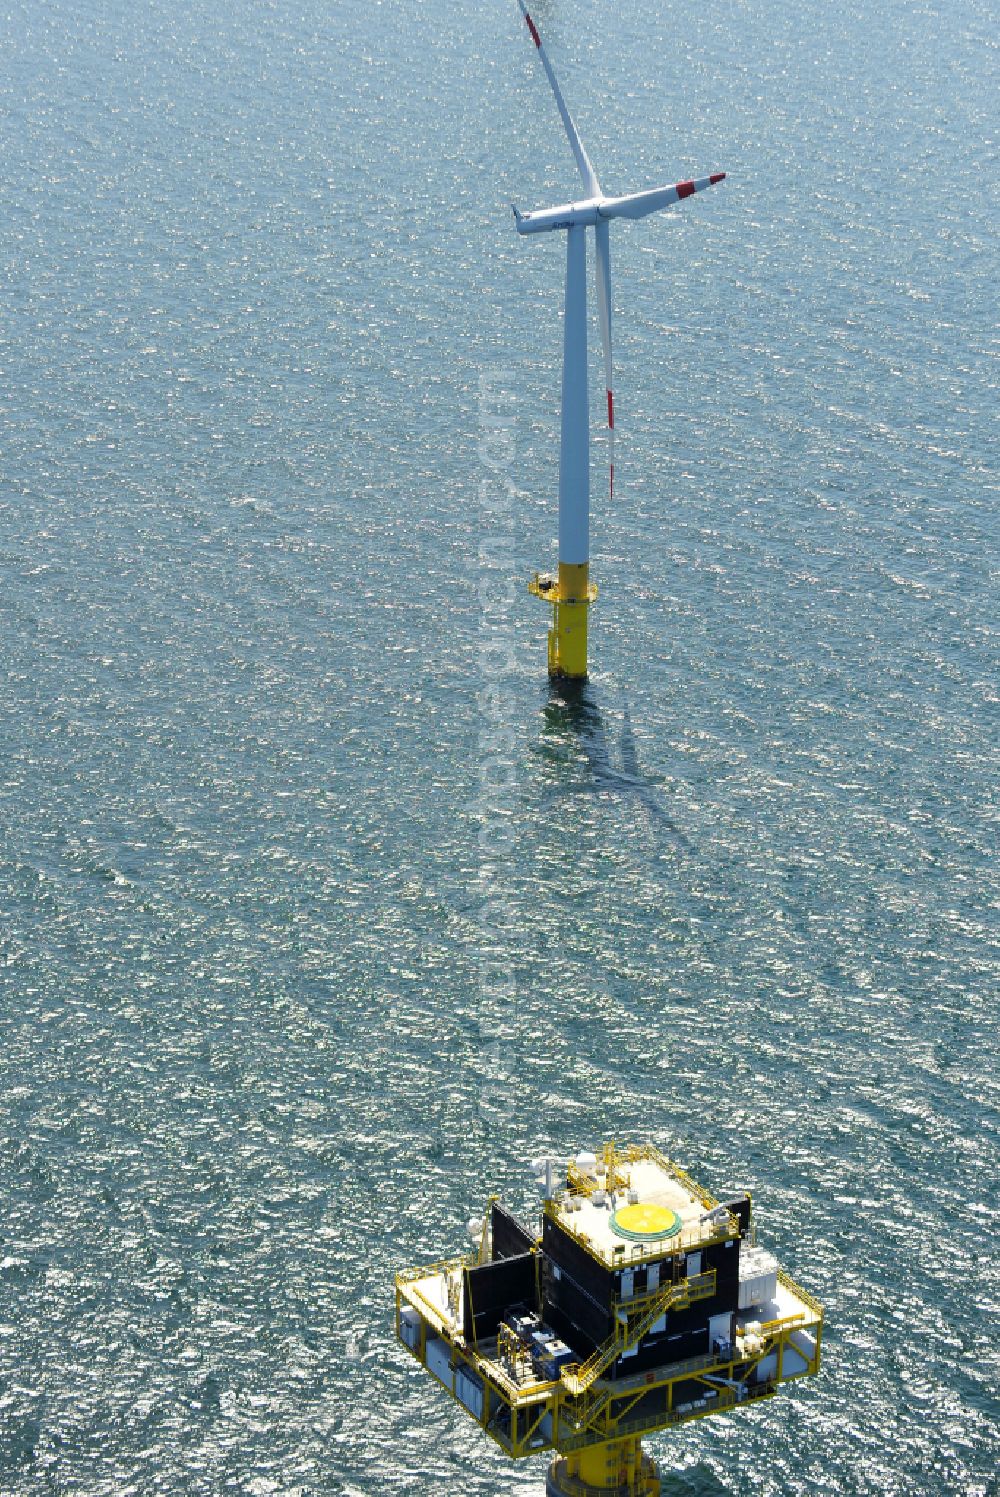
569,623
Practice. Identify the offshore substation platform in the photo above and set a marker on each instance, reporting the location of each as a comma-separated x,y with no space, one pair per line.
644,1303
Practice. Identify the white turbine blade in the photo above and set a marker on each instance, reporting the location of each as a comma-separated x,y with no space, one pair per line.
638,204
582,159
601,234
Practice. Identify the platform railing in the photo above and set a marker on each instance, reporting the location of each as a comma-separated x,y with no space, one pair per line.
800,1293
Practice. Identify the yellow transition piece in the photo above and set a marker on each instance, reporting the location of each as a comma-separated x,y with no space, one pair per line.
571,596
617,1467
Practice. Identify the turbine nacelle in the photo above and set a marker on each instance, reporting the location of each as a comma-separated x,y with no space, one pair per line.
591,211
566,216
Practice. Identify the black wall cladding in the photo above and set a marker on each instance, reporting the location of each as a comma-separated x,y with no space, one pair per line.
740,1207
581,1323
579,1291
490,1291
510,1239
593,1277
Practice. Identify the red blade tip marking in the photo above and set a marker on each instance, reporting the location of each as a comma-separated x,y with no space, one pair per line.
716,177
533,29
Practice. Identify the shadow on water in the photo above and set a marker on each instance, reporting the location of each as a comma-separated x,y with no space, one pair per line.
573,722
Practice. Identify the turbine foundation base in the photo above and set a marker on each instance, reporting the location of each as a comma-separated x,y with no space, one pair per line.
571,594
620,1469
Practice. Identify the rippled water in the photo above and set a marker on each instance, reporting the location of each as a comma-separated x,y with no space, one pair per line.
294,969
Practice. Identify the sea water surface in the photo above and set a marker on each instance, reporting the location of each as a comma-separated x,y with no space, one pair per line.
321,912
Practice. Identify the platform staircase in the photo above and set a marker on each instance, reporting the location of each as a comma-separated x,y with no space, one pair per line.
633,1318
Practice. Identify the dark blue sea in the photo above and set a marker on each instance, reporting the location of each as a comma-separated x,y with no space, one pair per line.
321,912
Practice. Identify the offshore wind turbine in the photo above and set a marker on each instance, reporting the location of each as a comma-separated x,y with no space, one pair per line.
571,592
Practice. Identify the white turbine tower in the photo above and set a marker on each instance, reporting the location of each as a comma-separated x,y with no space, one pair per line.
571,592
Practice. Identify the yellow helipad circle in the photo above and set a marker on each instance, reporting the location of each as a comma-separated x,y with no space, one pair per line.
645,1220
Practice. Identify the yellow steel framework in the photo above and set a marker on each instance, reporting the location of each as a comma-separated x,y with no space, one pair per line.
580,1408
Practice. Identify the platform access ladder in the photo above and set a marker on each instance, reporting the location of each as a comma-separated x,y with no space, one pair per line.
633,1318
